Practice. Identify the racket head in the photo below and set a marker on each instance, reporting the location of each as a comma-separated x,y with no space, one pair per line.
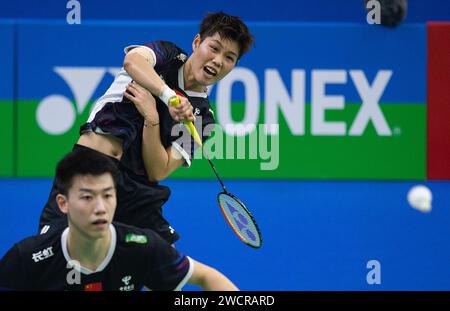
240,219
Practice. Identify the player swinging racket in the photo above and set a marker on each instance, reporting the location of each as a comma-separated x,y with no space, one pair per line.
109,256
141,140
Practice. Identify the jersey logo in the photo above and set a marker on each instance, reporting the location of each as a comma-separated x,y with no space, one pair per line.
126,279
44,229
136,238
196,111
182,57
128,287
93,287
42,255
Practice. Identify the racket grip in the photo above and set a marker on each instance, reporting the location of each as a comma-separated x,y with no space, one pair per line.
175,101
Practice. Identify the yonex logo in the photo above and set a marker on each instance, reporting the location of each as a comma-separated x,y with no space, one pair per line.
56,114
292,105
182,57
241,222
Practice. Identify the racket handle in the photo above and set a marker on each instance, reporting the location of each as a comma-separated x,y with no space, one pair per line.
175,101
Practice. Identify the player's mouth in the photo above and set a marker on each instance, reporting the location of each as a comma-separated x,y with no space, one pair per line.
100,223
210,71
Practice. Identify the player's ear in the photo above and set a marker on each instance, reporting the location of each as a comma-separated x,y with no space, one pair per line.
196,42
61,200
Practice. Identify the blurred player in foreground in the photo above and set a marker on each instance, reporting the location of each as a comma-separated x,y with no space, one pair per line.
91,253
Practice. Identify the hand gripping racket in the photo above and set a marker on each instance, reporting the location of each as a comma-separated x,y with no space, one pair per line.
236,214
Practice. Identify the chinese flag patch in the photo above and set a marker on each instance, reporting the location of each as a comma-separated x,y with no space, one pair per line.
93,287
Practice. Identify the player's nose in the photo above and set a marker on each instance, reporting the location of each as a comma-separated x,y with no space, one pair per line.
217,61
100,206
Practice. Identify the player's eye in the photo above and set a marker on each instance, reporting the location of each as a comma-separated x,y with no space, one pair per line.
230,58
108,196
214,48
86,197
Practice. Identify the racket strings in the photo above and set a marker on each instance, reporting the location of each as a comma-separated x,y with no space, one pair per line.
240,220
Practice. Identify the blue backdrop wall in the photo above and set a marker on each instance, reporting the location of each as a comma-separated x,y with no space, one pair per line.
254,10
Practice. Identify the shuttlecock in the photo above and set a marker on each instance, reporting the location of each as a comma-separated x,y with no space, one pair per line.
420,197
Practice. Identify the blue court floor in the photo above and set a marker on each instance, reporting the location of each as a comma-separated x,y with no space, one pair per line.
317,235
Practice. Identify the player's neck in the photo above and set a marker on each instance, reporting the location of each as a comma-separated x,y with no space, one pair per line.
89,252
189,81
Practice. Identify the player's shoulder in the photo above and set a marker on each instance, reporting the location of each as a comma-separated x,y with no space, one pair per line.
168,50
164,44
168,45
40,247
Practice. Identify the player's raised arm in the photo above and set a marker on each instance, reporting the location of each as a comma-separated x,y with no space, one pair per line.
159,162
139,64
210,279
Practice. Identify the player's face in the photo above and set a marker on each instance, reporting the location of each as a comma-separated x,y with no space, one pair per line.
91,203
213,58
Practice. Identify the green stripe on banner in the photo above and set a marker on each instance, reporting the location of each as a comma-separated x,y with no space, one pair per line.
6,138
39,151
368,156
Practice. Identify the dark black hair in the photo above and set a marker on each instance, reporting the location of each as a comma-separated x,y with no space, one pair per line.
82,162
228,27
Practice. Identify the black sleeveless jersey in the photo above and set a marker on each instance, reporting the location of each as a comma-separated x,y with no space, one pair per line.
115,115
